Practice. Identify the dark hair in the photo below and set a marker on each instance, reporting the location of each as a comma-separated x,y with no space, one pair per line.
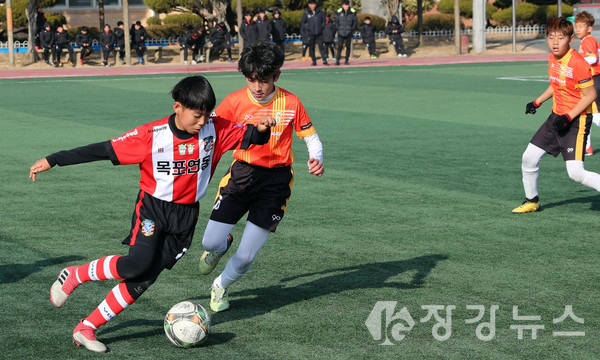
261,61
559,25
119,23
196,93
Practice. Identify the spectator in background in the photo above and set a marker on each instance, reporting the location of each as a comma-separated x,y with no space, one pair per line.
278,29
40,21
249,30
138,41
313,21
194,40
346,23
329,36
120,40
367,33
47,42
264,26
394,30
62,41
220,40
305,42
84,41
107,42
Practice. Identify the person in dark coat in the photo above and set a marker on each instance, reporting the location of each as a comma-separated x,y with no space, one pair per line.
367,33
249,30
329,36
194,40
346,22
120,40
264,26
305,42
313,21
278,30
62,41
138,40
84,41
394,30
219,40
40,21
47,42
107,43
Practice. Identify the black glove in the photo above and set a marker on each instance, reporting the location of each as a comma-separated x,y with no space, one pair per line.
531,107
562,123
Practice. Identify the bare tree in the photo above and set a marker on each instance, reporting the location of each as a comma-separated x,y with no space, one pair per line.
31,14
392,7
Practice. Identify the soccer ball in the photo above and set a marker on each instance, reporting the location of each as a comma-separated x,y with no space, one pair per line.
187,324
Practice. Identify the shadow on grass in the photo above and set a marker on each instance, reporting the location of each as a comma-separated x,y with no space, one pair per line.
594,202
367,276
11,273
132,327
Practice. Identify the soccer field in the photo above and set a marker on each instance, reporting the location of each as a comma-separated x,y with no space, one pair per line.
405,249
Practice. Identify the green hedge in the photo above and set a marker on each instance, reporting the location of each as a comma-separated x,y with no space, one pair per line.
466,8
433,22
528,14
292,20
153,21
187,20
377,21
165,31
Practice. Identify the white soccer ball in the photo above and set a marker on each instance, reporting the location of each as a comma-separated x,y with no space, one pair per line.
187,324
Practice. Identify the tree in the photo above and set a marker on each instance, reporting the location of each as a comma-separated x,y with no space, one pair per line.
32,14
409,7
392,7
208,9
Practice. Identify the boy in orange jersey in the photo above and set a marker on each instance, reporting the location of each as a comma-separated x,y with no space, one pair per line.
590,50
564,132
260,179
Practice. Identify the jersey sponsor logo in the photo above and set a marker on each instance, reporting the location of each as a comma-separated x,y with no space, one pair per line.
186,148
147,227
584,80
304,127
182,167
209,142
555,79
157,129
123,137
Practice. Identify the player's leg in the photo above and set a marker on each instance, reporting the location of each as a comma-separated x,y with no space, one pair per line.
216,241
577,172
348,41
311,49
530,170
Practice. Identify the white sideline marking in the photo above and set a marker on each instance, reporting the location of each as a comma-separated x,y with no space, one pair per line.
525,78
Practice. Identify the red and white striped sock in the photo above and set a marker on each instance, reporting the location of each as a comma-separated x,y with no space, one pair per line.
102,269
117,300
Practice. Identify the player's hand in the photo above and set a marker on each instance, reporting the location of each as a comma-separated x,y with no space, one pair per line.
562,123
315,167
39,166
531,108
265,122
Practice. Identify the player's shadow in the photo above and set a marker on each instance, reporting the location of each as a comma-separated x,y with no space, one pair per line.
593,200
254,302
11,273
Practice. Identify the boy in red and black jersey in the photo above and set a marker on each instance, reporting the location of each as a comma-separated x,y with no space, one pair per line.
565,130
177,156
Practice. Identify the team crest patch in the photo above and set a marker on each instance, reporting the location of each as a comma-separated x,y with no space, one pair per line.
147,227
209,142
186,148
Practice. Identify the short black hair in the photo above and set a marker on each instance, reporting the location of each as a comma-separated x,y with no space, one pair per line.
196,93
261,61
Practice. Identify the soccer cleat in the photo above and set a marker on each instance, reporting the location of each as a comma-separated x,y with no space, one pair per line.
345,62
210,259
71,63
86,336
219,299
337,62
201,58
230,60
589,151
194,62
304,58
80,61
373,56
185,62
63,286
526,207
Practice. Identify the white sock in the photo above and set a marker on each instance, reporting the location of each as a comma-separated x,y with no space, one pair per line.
530,169
215,236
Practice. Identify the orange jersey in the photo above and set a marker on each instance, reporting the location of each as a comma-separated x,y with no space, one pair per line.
288,111
589,48
568,76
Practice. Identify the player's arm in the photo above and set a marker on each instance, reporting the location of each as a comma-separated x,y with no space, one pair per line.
258,134
531,107
589,95
315,154
83,154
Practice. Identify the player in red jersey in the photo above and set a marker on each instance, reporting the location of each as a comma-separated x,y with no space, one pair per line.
564,132
590,50
260,179
177,156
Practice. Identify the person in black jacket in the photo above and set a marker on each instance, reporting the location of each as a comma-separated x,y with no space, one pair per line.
278,30
138,40
346,22
394,29
305,42
107,42
219,40
329,36
313,21
194,40
264,26
367,33
62,40
249,30
47,42
40,21
120,40
84,41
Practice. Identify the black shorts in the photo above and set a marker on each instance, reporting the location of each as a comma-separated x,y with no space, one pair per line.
263,192
570,143
161,231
